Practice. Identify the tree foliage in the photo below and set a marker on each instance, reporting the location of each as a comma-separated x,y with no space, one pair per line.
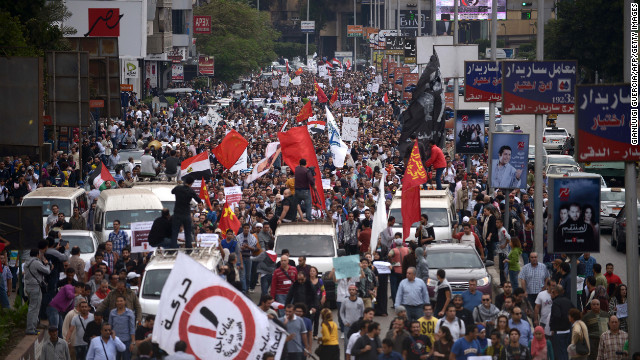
32,27
590,31
241,39
290,50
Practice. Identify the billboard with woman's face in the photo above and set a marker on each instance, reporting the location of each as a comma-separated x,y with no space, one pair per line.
574,205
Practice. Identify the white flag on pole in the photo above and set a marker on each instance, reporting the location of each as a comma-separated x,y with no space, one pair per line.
212,317
338,147
380,217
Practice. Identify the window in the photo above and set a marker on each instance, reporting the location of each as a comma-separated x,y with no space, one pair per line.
310,245
64,205
178,22
85,243
453,260
127,217
438,217
154,282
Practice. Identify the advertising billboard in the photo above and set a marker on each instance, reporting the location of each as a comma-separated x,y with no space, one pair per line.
409,82
469,133
202,24
482,81
603,123
470,9
206,65
538,87
509,157
574,222
126,20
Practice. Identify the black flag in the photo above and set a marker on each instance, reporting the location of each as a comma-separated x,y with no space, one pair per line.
423,118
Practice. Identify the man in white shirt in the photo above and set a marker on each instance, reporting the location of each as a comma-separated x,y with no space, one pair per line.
543,307
455,325
106,346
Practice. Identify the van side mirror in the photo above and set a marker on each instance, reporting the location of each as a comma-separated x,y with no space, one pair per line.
97,227
342,252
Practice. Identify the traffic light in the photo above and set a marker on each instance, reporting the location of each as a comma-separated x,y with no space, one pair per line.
412,16
526,15
525,4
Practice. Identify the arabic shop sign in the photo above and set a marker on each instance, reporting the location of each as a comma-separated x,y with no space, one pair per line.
538,87
603,122
482,81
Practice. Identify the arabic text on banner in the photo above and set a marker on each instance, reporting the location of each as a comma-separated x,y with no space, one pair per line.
212,317
207,240
232,195
347,266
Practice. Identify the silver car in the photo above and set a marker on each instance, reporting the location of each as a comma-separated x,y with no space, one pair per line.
611,201
461,264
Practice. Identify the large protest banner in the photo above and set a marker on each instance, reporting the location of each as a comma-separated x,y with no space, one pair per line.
212,317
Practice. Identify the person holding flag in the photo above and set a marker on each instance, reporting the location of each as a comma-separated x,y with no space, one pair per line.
414,176
322,98
182,212
204,195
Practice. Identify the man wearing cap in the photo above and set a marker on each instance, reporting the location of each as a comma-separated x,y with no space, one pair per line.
55,348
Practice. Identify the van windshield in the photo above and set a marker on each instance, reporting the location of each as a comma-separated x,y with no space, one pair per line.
64,205
154,282
437,216
310,245
127,217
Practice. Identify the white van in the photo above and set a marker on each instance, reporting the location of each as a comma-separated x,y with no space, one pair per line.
126,205
159,267
437,204
65,197
162,190
315,240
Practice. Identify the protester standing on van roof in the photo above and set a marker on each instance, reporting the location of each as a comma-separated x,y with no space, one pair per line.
182,212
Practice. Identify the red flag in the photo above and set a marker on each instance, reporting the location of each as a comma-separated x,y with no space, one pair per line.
204,194
386,98
296,144
348,63
306,112
229,220
230,149
298,72
334,96
322,98
287,62
414,175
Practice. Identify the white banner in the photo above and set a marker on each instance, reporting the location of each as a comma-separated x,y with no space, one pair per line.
350,129
241,164
338,148
212,317
284,80
375,87
380,216
323,71
270,156
207,240
232,196
296,81
275,83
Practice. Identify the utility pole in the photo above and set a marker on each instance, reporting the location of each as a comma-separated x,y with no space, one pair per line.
307,46
539,127
355,38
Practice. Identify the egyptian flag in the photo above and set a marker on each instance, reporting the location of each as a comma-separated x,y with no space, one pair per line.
230,149
228,220
316,127
204,194
296,144
99,177
386,97
322,98
414,176
298,72
198,167
336,62
306,112
348,63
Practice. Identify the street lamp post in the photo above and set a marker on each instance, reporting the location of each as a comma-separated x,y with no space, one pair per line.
307,46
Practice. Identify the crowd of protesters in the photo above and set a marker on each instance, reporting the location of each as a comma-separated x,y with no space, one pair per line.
531,318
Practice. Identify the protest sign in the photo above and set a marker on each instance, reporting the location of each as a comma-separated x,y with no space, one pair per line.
140,237
232,195
347,266
212,317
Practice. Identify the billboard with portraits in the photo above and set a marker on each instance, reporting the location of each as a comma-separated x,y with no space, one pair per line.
509,157
574,204
469,132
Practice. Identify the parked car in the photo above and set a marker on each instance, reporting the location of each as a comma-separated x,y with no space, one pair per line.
461,264
561,169
486,115
532,155
87,241
562,160
611,202
619,232
553,139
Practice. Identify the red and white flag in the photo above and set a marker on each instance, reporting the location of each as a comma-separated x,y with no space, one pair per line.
197,166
